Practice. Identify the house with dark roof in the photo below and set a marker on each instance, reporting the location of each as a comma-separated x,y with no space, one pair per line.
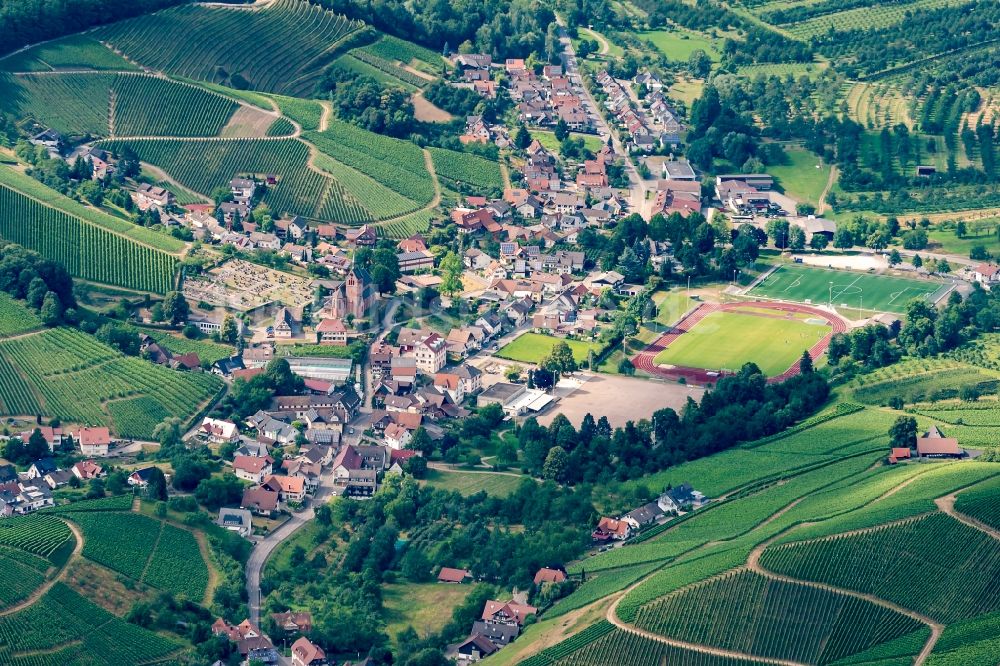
476,647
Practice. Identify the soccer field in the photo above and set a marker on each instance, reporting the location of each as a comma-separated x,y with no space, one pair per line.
851,290
727,340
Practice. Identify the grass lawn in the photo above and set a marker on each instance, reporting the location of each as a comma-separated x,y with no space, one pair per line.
881,293
687,90
533,347
680,44
727,340
670,306
424,606
470,483
800,178
548,140
980,232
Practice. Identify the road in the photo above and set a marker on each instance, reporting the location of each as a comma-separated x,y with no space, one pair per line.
637,190
264,547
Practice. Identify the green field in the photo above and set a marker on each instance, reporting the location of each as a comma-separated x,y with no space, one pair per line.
727,340
980,232
866,292
800,178
73,52
469,483
533,347
679,44
419,605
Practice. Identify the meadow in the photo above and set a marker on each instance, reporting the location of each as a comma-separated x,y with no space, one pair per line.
534,347
855,291
803,177
727,340
470,483
679,44
548,140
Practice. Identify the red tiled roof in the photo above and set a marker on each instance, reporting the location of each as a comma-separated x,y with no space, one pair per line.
546,575
900,453
93,436
449,575
938,446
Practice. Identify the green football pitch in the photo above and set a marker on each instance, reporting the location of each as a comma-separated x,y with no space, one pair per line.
845,289
727,340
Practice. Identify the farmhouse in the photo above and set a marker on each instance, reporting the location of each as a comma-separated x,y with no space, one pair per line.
509,612
610,528
148,196
250,468
94,441
261,501
546,575
987,273
933,444
476,647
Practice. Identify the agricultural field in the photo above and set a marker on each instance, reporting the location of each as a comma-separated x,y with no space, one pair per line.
848,290
599,586
64,628
67,374
804,177
395,50
306,112
20,574
395,74
203,166
979,232
419,605
628,649
73,52
876,105
469,483
954,582
145,550
381,202
396,164
718,612
293,41
72,104
415,223
727,340
533,347
466,169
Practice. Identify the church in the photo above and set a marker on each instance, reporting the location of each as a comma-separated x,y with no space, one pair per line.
354,296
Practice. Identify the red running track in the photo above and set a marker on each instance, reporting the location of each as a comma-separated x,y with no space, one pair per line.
644,359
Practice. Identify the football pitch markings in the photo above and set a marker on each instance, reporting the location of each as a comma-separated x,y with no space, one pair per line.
846,289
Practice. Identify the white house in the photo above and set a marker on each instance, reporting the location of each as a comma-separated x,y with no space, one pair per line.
251,468
219,431
397,437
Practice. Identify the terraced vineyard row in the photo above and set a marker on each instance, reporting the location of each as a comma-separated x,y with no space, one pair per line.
85,250
16,317
110,503
394,49
955,582
17,580
982,503
292,41
205,165
71,104
789,621
381,201
415,223
177,565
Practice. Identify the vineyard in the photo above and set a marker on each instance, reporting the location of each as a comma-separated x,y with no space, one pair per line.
397,164
982,503
600,586
292,42
396,50
153,106
177,566
36,190
418,222
16,317
403,76
306,112
73,52
110,503
208,351
624,648
719,611
38,534
466,169
70,104
93,636
69,375
145,550
85,250
955,582
205,165
380,201
17,579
